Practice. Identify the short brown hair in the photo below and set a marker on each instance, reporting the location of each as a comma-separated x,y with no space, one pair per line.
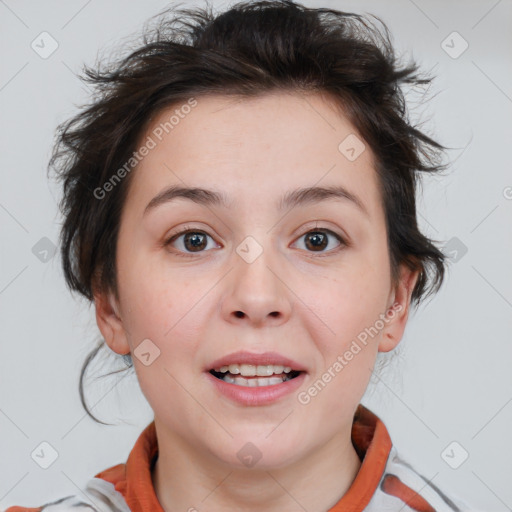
248,50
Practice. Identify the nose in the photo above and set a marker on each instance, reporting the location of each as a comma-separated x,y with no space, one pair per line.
257,293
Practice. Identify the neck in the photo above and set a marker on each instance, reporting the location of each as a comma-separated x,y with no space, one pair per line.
184,479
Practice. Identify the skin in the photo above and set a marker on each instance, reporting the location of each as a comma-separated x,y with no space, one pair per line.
305,303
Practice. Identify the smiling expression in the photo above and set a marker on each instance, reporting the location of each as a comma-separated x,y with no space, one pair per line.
285,252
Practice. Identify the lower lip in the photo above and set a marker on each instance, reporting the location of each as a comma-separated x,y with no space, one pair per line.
261,395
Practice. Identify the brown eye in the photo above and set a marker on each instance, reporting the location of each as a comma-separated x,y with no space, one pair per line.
189,241
195,241
318,240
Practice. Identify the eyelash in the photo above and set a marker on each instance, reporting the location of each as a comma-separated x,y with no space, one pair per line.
321,254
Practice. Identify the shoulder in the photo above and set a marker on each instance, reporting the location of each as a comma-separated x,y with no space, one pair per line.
99,496
64,504
402,485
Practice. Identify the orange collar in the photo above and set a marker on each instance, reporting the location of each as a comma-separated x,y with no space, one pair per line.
373,444
369,437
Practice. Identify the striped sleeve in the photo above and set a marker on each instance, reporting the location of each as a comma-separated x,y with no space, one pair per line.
402,488
67,504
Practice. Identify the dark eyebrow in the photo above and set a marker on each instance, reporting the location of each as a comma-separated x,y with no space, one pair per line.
291,199
303,196
197,195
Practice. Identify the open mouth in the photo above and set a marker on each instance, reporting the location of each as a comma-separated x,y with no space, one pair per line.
251,376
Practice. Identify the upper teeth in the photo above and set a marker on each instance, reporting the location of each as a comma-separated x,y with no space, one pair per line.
250,370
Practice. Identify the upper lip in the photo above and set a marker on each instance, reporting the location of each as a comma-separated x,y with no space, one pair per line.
265,358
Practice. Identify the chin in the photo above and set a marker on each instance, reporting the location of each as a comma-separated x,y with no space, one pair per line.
255,453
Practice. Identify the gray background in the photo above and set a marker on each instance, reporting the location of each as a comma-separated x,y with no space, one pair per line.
452,379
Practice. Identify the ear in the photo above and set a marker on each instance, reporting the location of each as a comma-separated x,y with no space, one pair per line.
110,323
398,311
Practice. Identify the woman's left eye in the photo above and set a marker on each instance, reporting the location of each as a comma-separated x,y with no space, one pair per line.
194,241
318,239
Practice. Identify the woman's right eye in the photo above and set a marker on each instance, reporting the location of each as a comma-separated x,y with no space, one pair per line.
192,239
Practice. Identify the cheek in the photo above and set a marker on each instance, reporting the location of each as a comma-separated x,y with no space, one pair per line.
154,296
355,299
350,307
349,347
166,310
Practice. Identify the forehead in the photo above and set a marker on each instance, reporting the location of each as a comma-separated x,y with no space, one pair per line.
268,144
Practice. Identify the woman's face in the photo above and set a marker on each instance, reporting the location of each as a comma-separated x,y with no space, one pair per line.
303,275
